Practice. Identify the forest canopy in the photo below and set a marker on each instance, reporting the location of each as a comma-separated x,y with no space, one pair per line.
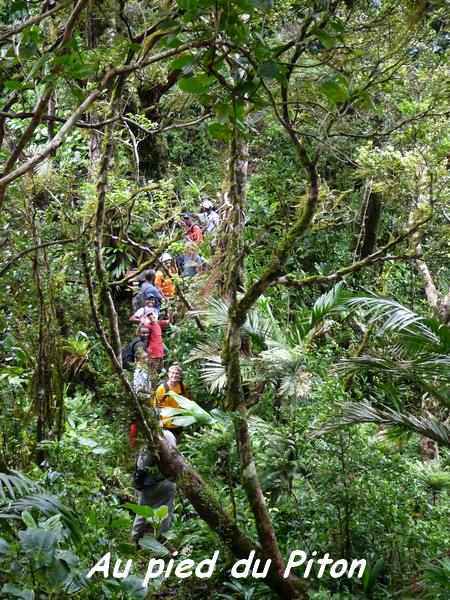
225,243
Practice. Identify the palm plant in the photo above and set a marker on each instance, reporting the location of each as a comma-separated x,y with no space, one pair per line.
418,353
18,493
277,357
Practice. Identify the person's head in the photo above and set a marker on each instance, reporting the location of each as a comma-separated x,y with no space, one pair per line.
152,316
190,249
174,374
187,220
144,333
150,276
166,260
141,355
207,205
150,301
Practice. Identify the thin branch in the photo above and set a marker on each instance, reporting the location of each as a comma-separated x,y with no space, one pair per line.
59,138
356,266
33,21
169,127
63,242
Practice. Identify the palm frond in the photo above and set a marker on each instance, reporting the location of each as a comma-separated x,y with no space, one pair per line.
15,485
415,333
215,313
429,372
49,506
353,413
20,493
329,303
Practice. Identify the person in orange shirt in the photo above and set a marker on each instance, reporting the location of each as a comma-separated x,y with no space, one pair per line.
163,281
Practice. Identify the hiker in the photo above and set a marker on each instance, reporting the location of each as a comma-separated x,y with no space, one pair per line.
155,347
193,230
140,341
141,377
155,491
164,400
210,218
149,288
193,263
163,279
142,385
140,315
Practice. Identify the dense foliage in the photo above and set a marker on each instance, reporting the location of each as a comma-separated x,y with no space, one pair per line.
316,345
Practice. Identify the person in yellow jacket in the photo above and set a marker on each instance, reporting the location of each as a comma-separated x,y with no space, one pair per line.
164,400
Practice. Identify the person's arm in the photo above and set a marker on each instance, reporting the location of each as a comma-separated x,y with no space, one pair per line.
159,395
158,283
163,323
137,317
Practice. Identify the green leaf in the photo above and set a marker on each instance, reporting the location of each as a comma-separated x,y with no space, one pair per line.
149,543
338,26
17,592
40,543
4,546
27,518
125,547
141,510
134,587
184,63
17,6
223,111
335,88
220,131
161,512
83,441
13,84
183,421
269,69
196,85
324,37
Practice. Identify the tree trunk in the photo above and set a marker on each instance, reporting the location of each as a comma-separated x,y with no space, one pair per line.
367,223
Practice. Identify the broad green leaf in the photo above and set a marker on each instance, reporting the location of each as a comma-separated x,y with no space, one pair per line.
134,587
149,543
125,547
269,69
196,85
141,510
183,421
27,518
335,88
223,111
40,543
324,37
161,512
4,546
219,131
183,63
90,443
338,26
17,592
13,84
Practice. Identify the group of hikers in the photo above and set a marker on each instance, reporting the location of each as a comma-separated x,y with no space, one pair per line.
152,311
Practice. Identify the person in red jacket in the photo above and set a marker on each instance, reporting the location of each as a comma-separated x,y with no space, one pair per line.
194,232
155,349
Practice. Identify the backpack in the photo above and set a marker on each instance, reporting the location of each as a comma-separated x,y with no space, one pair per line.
140,476
166,387
138,300
128,353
